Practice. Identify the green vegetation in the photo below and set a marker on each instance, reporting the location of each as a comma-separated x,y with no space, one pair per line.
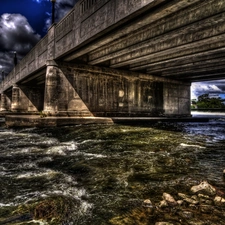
205,102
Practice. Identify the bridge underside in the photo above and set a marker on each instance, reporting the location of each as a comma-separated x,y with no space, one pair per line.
182,40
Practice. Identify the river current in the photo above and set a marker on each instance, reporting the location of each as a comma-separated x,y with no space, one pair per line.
103,174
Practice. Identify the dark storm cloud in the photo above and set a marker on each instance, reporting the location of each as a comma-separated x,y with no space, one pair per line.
62,7
16,34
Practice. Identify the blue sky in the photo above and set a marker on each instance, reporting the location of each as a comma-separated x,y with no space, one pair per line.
37,12
24,22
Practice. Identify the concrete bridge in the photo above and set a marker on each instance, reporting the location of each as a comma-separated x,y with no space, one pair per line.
120,58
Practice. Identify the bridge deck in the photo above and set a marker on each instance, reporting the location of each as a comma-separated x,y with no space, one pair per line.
177,39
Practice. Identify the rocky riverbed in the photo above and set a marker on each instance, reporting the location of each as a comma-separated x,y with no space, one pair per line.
113,175
203,204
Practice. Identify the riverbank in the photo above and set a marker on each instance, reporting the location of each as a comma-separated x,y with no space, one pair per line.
38,121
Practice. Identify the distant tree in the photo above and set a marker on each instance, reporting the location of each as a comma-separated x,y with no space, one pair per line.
205,102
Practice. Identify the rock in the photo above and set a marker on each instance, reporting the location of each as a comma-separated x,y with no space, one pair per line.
186,214
219,201
169,199
187,199
147,203
224,173
205,188
180,202
163,223
183,195
206,209
205,199
163,204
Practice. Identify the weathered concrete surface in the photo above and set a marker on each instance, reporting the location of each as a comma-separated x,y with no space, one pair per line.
83,90
37,121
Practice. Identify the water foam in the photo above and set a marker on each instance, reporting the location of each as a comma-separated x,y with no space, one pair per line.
188,145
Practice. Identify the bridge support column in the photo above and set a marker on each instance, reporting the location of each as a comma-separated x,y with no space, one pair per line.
111,92
22,99
5,103
60,98
15,106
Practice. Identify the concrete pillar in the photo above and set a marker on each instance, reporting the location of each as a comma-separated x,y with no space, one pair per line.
15,105
25,99
51,88
3,106
61,98
130,96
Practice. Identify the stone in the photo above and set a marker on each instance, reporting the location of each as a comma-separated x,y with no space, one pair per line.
169,199
219,201
188,199
206,208
163,204
180,202
205,188
201,196
163,223
186,214
147,203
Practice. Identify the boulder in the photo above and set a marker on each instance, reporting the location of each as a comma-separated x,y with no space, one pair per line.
169,199
204,188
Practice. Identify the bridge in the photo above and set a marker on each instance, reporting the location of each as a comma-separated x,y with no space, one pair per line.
120,58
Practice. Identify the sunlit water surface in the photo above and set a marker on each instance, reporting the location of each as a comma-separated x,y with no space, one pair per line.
92,174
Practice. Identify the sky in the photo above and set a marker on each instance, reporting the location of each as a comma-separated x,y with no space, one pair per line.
24,22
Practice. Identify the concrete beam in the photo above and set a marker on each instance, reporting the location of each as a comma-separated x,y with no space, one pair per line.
156,11
191,24
167,62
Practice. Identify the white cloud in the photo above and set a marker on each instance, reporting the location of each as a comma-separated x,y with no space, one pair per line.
16,34
200,88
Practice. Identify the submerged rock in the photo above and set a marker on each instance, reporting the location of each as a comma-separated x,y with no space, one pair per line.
205,188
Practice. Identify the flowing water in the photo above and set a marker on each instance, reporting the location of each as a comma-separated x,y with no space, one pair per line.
101,174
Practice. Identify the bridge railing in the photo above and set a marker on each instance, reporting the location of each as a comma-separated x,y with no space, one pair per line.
64,26
86,4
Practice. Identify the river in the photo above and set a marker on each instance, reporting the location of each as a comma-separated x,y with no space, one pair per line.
104,174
